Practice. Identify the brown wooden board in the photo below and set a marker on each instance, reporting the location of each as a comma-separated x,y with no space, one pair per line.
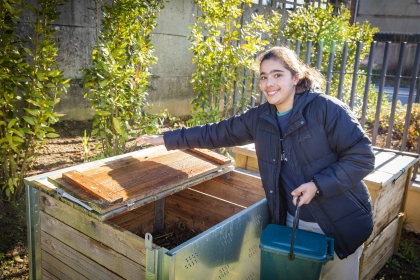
119,240
143,174
377,253
74,245
89,185
202,210
240,188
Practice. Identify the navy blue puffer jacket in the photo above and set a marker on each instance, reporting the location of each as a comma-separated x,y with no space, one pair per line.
324,142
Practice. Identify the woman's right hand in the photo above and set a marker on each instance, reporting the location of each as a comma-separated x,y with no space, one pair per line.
155,140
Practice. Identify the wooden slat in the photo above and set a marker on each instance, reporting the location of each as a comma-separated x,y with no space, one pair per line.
139,221
71,263
119,240
387,204
100,254
247,150
240,161
240,188
46,275
377,253
212,156
92,187
200,208
53,266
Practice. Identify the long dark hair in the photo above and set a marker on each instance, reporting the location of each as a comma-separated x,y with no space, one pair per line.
308,77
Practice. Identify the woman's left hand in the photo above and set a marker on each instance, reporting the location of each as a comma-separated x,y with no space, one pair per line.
306,192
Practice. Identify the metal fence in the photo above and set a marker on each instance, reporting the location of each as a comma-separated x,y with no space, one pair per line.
384,81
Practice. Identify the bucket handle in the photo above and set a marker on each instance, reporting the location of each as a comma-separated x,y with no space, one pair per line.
291,255
330,248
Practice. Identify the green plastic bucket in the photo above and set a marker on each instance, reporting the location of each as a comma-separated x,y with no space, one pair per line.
290,253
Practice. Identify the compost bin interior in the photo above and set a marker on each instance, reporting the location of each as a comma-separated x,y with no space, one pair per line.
191,211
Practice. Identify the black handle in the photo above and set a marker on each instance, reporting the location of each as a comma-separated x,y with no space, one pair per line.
291,255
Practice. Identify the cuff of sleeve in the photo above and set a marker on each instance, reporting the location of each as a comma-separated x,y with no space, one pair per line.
318,191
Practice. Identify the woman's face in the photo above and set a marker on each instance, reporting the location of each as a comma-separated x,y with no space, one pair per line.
278,84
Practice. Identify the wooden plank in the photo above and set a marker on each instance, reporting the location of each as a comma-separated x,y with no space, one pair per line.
406,188
200,208
390,170
240,161
55,267
252,164
387,204
247,150
212,155
377,253
241,188
139,221
398,234
99,253
71,263
46,275
92,187
119,240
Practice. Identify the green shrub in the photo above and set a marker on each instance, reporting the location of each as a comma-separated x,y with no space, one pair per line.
29,79
223,50
119,78
323,29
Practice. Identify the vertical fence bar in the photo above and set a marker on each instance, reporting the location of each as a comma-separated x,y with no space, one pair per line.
288,43
262,97
330,67
355,71
235,89
254,90
217,98
410,97
277,42
395,95
367,84
319,59
342,71
245,79
297,48
380,92
308,52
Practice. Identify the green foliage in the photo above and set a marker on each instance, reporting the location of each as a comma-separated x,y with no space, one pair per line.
221,64
323,28
118,79
32,86
399,123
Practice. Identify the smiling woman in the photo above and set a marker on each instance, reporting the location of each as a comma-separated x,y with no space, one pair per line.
327,180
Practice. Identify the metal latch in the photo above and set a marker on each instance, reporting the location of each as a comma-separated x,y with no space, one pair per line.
150,254
402,172
61,193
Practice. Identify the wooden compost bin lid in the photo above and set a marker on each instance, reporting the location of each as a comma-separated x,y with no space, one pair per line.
122,183
389,164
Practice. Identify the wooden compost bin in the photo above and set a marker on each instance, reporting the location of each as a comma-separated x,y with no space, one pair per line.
388,185
89,221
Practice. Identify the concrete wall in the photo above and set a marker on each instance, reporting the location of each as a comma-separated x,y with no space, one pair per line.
390,16
76,38
172,89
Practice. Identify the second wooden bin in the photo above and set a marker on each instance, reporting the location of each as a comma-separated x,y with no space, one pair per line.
388,185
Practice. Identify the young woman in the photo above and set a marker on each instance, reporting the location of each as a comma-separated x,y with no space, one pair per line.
309,145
